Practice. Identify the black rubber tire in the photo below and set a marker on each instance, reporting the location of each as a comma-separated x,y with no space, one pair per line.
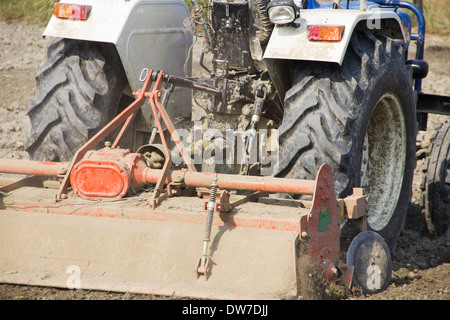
436,186
328,112
262,23
78,91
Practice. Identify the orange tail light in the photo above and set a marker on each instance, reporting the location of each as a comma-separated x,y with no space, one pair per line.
71,11
324,33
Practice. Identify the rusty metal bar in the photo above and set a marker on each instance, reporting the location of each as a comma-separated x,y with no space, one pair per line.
36,168
235,182
166,118
253,183
123,129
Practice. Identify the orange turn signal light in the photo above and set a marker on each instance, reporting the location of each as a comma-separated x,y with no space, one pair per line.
71,11
324,32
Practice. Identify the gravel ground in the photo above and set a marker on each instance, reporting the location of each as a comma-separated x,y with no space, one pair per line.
421,265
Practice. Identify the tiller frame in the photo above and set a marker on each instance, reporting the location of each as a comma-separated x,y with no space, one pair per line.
112,174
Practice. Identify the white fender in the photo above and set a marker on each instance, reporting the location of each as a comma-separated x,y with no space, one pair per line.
291,43
150,34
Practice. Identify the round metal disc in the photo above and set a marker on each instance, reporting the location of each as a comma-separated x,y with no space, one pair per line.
371,258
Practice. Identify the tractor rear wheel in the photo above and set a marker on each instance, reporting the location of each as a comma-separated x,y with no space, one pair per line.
360,119
78,91
436,184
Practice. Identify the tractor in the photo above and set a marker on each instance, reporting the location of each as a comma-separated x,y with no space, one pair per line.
312,103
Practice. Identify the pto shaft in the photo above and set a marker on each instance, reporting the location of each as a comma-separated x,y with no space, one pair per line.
36,168
237,182
125,173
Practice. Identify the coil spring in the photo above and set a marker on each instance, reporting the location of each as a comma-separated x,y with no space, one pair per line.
211,204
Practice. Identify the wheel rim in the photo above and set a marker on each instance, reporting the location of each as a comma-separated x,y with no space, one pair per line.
383,160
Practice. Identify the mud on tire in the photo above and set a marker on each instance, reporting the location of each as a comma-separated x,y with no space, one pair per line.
360,119
78,90
436,184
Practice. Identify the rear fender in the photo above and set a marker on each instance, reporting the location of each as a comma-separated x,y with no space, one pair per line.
147,34
289,43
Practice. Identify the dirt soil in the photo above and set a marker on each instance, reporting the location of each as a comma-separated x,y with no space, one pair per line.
421,263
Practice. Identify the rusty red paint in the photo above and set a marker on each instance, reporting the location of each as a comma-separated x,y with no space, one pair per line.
39,168
104,132
144,213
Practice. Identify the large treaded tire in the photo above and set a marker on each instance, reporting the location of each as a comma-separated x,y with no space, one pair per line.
78,91
360,119
436,185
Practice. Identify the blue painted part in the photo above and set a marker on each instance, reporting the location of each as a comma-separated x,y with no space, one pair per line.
404,17
313,4
419,36
353,5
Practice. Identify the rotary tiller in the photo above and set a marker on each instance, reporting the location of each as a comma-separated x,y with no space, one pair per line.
117,224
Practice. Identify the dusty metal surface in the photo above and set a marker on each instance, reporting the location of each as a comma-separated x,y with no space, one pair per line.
129,245
126,246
